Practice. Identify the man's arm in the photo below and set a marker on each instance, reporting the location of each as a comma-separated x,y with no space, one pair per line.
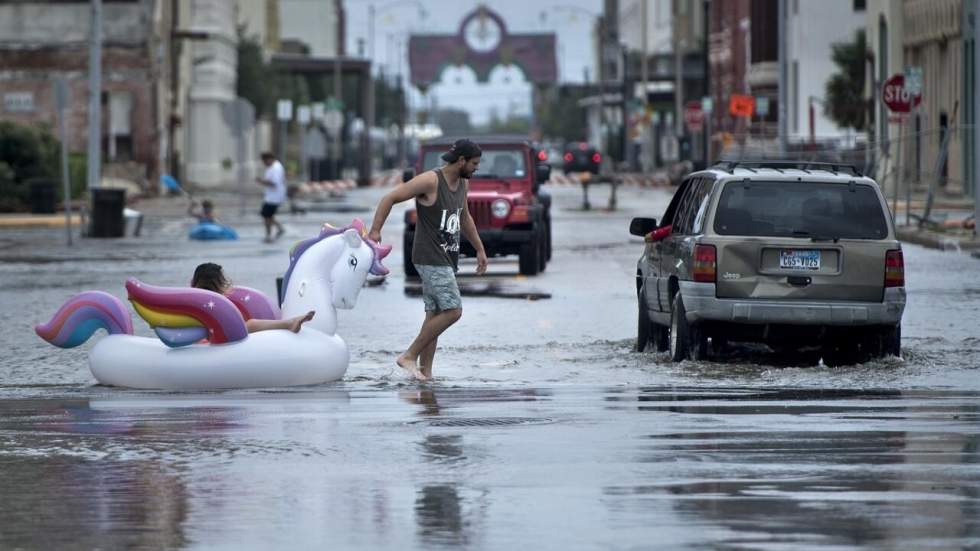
468,227
423,184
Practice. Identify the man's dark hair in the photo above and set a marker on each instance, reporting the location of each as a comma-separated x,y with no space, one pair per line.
267,155
462,148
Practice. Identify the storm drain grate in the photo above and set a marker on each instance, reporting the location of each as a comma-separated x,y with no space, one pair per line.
488,422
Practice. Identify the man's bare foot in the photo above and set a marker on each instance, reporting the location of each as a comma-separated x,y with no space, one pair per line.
410,367
279,233
298,321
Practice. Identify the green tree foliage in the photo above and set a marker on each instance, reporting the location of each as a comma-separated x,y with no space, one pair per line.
256,79
26,154
454,122
560,116
844,103
389,102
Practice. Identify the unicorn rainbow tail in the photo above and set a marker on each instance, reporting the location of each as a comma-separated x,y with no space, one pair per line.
83,315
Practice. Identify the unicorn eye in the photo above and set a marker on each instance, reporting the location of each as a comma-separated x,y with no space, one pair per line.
352,262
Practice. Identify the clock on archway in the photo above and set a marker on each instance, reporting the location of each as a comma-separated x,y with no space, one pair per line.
482,33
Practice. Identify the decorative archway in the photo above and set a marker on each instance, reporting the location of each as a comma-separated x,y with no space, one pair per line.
482,43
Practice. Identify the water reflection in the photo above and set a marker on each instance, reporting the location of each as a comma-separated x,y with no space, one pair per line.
439,515
62,502
814,468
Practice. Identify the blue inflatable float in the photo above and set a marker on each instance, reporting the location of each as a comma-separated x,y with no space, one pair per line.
209,231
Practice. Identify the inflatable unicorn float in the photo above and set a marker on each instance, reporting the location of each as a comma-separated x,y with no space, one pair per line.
325,272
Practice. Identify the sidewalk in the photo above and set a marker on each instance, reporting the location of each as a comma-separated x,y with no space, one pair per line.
948,232
24,220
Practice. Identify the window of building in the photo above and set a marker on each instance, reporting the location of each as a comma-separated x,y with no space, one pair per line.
860,5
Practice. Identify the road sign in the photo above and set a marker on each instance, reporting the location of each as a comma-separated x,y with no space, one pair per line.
693,116
707,104
303,114
913,80
741,105
284,110
333,120
897,97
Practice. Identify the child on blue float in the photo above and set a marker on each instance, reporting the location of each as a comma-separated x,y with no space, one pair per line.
211,277
205,215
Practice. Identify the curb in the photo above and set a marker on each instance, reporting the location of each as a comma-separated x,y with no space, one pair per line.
933,240
43,220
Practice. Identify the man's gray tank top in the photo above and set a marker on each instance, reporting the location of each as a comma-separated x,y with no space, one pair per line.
437,230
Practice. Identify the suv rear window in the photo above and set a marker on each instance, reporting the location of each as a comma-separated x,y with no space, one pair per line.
494,163
792,209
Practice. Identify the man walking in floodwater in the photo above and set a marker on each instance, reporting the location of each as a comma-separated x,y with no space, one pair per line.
440,199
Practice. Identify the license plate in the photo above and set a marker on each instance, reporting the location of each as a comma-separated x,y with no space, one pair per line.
799,260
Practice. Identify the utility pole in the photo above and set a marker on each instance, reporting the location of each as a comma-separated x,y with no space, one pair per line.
643,49
781,26
371,34
706,29
95,98
976,116
338,102
679,88
61,101
172,167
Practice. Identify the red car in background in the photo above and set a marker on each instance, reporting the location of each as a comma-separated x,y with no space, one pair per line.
581,157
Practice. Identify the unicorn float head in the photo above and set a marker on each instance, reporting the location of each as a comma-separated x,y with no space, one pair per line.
350,258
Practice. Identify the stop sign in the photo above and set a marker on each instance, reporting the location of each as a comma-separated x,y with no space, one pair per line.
694,116
897,97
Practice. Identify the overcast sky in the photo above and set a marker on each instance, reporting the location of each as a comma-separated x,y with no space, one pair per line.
507,90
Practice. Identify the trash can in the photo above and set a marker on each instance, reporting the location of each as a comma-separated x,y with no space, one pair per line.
107,213
41,196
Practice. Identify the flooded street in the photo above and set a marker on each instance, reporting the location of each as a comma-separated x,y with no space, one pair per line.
542,430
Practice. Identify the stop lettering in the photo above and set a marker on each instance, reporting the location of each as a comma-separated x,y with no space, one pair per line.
897,97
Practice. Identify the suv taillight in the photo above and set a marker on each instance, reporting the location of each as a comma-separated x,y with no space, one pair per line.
894,269
705,263
568,157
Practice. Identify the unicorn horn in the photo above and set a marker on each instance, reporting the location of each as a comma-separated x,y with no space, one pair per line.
358,225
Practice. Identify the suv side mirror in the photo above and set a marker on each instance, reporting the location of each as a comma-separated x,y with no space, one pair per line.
642,226
543,173
408,174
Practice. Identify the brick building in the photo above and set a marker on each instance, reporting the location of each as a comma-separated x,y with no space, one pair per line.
40,41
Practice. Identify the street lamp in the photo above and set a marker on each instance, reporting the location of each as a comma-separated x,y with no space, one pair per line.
543,17
372,11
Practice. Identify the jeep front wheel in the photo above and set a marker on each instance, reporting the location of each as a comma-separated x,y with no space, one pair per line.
407,241
679,331
529,256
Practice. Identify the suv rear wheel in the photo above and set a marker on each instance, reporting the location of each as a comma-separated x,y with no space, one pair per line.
891,341
529,257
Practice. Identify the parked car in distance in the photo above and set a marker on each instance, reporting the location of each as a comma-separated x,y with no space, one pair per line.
581,157
511,211
800,256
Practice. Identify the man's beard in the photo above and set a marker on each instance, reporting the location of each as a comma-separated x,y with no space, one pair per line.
466,173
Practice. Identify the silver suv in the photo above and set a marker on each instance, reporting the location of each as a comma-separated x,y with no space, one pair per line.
799,256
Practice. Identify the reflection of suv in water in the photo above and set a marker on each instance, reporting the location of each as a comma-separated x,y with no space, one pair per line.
510,210
800,256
